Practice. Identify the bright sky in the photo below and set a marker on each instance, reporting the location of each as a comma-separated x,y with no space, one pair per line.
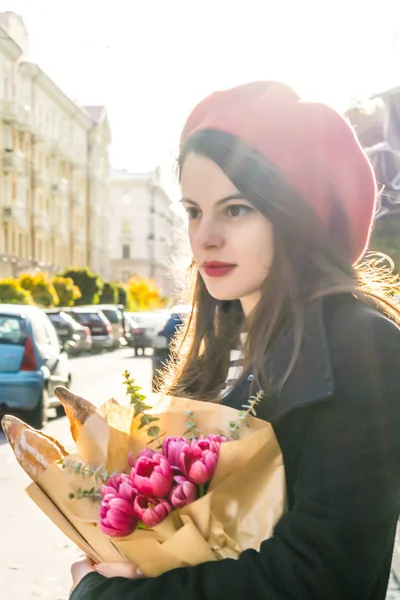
150,61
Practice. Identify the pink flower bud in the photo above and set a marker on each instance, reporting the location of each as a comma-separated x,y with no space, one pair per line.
151,511
183,492
152,477
171,448
198,461
117,516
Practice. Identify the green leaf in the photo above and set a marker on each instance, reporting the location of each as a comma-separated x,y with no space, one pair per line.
137,411
71,496
153,431
152,419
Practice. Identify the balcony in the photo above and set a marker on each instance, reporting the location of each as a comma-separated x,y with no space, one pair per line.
10,214
39,177
9,111
24,118
59,231
13,161
60,186
55,147
78,199
41,221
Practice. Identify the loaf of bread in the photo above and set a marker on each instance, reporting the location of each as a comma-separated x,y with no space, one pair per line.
77,409
34,450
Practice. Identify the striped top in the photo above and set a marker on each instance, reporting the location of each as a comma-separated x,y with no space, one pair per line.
235,367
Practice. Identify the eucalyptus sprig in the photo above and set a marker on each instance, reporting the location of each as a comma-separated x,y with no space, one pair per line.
79,468
137,400
85,470
92,494
242,419
192,431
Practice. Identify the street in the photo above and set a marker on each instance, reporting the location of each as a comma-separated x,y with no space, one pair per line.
35,557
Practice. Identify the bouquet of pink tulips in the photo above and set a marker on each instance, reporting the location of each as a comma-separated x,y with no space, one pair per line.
166,482
157,483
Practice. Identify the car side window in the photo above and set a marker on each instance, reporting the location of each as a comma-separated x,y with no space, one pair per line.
51,332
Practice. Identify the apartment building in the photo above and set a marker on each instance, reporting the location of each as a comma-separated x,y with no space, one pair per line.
143,228
54,168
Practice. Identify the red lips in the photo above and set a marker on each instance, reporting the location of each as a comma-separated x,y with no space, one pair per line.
216,268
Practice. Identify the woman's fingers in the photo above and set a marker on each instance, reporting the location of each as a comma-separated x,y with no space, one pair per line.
79,569
119,569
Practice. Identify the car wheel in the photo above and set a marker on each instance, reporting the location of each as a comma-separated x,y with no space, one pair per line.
38,417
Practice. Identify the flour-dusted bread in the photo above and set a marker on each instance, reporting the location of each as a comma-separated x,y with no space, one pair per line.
34,450
77,409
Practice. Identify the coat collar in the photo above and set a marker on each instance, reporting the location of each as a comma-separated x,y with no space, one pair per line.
311,379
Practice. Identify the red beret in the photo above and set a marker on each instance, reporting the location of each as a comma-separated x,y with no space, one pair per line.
310,143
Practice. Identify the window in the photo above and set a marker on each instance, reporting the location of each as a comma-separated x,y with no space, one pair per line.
11,330
126,251
126,226
126,198
7,136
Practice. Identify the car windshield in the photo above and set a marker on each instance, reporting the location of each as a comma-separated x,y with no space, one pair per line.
11,330
82,317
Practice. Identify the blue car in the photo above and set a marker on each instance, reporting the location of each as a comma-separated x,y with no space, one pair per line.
32,363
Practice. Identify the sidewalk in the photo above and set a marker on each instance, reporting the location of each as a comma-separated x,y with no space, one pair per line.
393,589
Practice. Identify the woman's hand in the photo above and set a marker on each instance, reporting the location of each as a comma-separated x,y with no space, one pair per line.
79,569
119,569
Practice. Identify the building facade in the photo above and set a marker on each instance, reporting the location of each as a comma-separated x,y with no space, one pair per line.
143,228
54,169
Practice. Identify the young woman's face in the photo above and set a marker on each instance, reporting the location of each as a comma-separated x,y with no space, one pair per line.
232,243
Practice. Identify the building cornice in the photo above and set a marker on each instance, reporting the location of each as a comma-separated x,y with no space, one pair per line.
33,71
9,45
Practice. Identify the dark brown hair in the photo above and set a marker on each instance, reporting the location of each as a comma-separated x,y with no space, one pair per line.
307,263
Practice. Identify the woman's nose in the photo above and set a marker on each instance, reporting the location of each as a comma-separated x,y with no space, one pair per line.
208,235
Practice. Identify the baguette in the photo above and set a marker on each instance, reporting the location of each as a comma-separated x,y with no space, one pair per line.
34,450
77,409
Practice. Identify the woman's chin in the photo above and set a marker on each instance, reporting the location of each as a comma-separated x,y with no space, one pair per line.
222,296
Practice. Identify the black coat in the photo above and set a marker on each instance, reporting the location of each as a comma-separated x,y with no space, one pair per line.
338,423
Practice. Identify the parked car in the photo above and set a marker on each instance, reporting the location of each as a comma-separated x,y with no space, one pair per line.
115,315
149,324
32,363
75,338
162,341
97,322
130,325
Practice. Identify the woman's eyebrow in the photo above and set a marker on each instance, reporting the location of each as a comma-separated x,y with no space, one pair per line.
237,196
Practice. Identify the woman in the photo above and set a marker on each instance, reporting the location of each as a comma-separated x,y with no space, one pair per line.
280,200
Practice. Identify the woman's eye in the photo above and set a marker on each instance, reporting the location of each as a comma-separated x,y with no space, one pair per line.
238,210
192,212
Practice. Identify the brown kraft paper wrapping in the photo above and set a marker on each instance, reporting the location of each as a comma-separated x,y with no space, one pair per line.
246,498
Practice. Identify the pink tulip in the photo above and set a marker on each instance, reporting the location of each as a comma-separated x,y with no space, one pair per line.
152,477
199,460
183,492
171,448
151,511
117,516
144,452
